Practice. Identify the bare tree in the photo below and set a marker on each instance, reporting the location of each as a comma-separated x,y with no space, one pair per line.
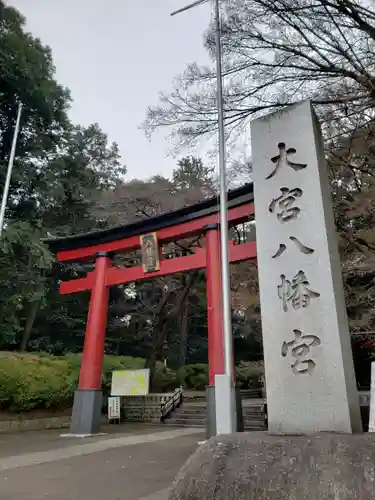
277,52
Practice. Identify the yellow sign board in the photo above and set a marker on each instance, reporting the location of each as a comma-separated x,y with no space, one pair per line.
130,382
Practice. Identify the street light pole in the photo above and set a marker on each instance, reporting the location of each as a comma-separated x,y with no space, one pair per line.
224,390
10,168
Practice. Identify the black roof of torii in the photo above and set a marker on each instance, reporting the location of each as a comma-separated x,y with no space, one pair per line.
236,197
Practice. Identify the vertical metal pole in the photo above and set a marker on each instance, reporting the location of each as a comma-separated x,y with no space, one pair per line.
226,302
10,168
371,424
225,404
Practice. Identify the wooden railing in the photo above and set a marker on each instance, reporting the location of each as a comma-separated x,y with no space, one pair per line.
169,404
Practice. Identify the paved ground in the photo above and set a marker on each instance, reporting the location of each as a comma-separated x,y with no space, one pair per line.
35,441
138,463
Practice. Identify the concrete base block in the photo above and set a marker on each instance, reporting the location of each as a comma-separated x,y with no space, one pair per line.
258,466
86,415
211,412
225,403
239,411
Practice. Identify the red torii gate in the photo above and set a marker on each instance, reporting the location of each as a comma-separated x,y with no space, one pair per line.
201,218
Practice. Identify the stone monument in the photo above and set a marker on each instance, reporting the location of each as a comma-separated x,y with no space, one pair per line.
309,369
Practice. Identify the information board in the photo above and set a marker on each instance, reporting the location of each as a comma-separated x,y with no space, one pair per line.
130,382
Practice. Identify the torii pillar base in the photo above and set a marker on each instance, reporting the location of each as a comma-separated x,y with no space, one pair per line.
211,412
87,414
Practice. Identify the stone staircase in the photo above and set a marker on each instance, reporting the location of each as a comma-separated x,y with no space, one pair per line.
192,413
253,415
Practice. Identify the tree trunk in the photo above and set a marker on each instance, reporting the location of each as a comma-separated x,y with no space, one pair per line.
183,332
159,334
8,133
26,334
164,322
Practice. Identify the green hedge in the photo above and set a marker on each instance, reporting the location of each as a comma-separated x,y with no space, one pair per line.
29,382
248,376
193,377
163,379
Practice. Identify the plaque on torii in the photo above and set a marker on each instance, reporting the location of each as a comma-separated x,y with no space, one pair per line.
150,253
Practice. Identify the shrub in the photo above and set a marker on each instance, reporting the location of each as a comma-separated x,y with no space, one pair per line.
249,375
112,363
193,376
72,363
8,382
163,379
31,381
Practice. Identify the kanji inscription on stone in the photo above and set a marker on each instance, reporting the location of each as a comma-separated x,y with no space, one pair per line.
283,159
301,247
296,291
284,206
299,348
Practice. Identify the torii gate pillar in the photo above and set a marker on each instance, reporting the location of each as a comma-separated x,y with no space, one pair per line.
86,416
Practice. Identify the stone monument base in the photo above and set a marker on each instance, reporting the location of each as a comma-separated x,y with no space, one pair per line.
258,466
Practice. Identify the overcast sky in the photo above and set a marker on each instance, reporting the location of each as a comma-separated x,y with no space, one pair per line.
116,57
